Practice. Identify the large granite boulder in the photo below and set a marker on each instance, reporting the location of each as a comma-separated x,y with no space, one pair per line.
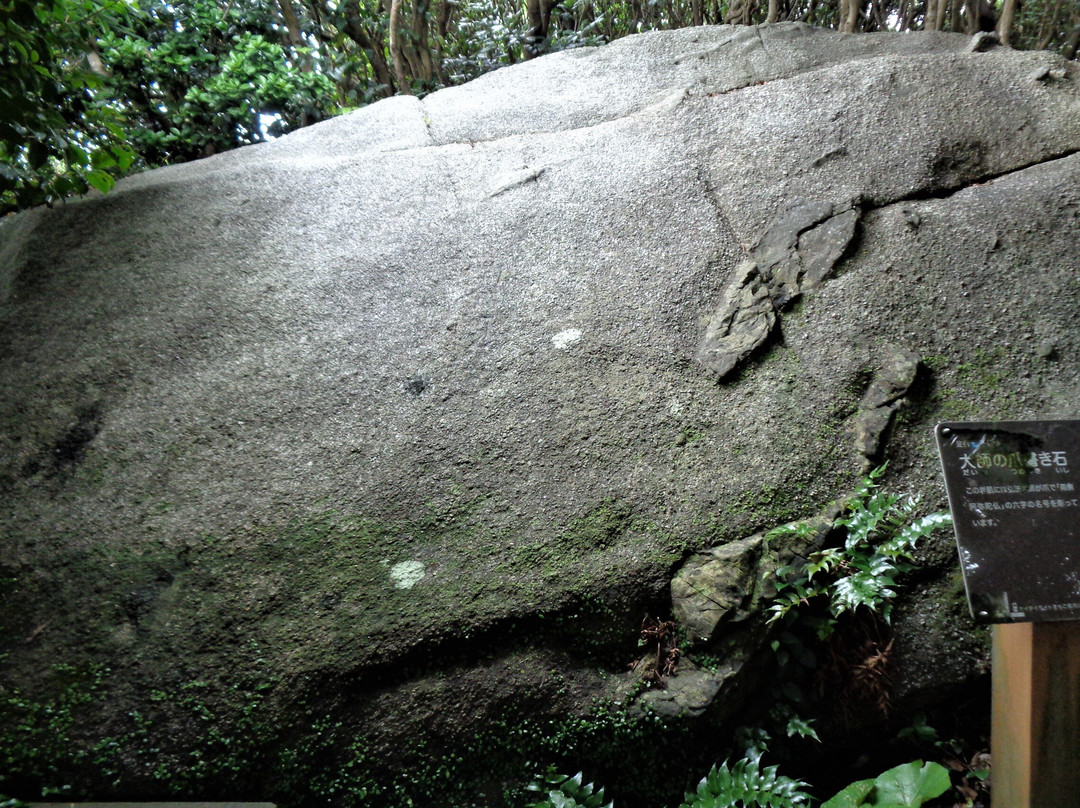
403,422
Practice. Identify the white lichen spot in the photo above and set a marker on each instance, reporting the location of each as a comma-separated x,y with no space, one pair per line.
406,574
674,407
564,339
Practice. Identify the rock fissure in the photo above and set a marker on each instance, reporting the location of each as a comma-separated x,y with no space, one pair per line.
515,179
881,401
796,254
947,193
722,589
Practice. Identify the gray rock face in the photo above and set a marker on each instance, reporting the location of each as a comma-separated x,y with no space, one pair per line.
717,587
396,385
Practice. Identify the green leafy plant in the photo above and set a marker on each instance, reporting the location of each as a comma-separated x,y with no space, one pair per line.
906,786
746,785
58,134
561,791
202,77
37,749
882,535
835,605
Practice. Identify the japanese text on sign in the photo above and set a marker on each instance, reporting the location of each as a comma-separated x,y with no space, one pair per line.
1016,514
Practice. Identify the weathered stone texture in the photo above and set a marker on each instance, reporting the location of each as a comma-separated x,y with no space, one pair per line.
396,385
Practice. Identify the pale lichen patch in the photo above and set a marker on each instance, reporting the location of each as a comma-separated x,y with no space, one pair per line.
564,339
406,574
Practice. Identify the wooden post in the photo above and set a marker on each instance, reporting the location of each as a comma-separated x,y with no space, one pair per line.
1035,722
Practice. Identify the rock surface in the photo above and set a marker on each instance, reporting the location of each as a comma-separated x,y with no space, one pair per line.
379,404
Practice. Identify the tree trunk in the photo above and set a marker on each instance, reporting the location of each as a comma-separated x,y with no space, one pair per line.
296,36
536,33
373,50
397,53
774,11
697,12
538,14
879,15
428,66
446,13
292,24
675,15
1069,51
939,21
1004,26
956,11
1048,23
930,18
740,12
850,17
981,16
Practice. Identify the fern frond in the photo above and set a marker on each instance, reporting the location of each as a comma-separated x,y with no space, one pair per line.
561,791
747,785
903,544
802,530
801,728
870,588
822,561
899,513
867,484
867,519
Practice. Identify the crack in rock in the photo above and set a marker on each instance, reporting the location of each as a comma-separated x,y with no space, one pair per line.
797,253
717,589
720,593
505,182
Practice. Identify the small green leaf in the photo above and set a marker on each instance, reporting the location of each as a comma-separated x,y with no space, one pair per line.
802,728
101,159
100,180
851,796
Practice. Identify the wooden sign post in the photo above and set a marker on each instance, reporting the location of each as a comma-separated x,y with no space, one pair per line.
1016,514
1035,720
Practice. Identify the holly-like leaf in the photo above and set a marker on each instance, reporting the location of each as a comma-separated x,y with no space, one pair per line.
911,784
852,796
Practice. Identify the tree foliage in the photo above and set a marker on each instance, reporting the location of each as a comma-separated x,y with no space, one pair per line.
94,88
201,77
58,135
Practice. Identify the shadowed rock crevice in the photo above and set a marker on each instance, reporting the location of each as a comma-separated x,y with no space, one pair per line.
718,598
943,190
69,449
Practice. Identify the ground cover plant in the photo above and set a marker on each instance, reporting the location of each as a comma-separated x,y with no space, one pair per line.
820,602
835,591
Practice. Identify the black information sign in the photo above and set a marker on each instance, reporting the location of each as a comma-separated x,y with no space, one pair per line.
1015,502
